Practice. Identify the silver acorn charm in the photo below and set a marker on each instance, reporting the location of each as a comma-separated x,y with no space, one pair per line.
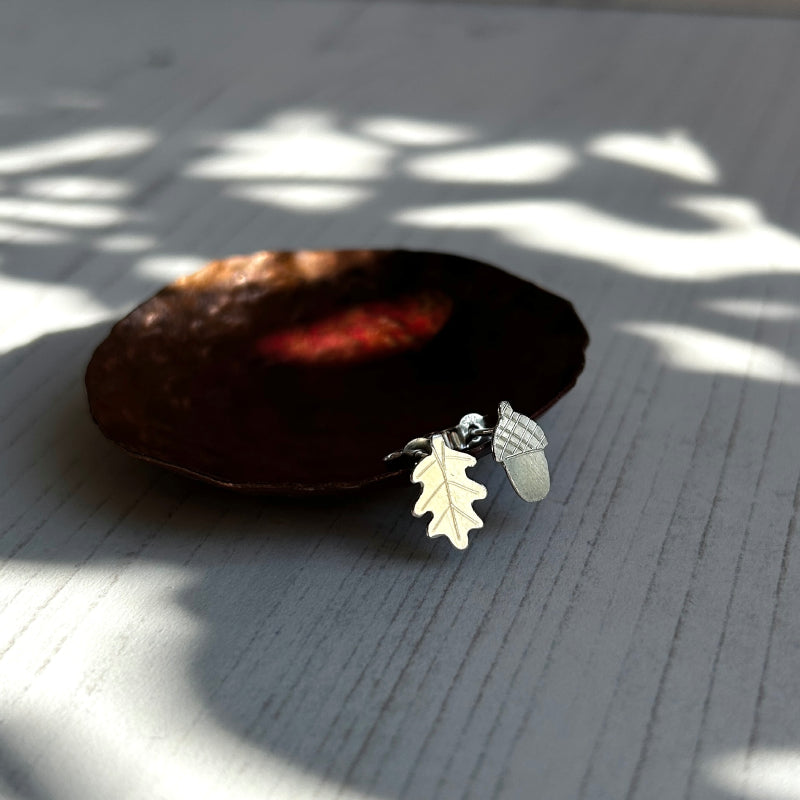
518,444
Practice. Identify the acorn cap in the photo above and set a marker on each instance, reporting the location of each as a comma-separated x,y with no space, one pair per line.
515,434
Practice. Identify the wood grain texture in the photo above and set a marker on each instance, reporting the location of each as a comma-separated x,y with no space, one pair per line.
636,634
750,8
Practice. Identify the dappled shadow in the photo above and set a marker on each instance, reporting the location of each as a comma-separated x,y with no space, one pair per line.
331,634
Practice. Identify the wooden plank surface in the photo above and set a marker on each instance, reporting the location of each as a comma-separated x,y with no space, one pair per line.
749,8
635,635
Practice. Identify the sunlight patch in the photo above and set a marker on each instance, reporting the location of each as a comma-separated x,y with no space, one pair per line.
744,245
125,243
293,145
77,187
508,163
764,775
104,143
30,309
165,269
723,210
699,350
303,197
110,669
674,154
406,132
15,233
69,215
772,310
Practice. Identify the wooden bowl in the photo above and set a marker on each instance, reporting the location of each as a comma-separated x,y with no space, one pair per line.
296,372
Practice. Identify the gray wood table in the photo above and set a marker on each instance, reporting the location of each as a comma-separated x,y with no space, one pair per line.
635,635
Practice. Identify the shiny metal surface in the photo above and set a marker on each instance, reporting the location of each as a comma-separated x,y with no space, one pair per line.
518,444
448,493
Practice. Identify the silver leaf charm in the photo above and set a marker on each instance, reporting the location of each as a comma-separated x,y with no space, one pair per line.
518,444
448,493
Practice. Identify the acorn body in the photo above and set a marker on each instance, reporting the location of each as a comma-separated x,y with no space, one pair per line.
518,444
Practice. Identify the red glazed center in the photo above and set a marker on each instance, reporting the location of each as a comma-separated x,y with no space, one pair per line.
364,332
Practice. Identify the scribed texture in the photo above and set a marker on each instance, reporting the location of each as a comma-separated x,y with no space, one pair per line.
518,444
448,493
295,372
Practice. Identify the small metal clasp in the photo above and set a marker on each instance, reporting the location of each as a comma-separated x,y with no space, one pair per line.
470,431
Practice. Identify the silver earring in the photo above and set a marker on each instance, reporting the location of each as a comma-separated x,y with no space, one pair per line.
441,460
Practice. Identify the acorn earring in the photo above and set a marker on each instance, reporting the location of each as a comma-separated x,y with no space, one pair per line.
442,460
518,444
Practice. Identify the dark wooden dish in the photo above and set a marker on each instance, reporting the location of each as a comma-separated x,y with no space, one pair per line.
289,373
